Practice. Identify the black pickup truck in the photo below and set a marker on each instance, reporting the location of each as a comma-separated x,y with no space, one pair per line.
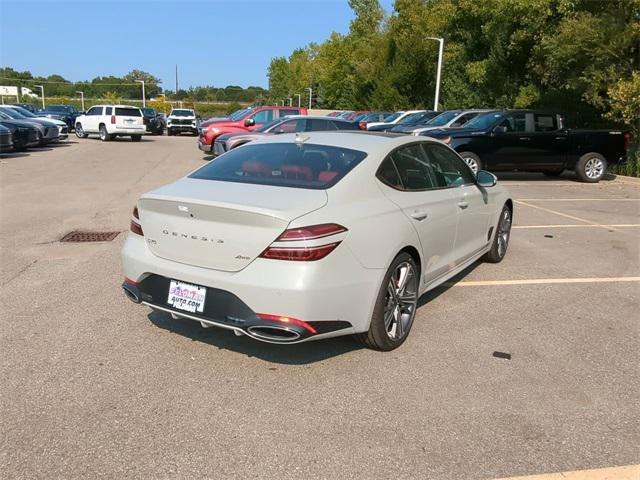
535,141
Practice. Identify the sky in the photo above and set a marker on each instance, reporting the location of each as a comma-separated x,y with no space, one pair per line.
215,42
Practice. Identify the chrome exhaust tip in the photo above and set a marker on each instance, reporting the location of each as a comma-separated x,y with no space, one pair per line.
273,334
131,292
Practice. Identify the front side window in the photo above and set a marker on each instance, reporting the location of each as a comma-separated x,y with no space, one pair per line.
263,116
94,111
450,170
283,165
290,126
515,123
317,125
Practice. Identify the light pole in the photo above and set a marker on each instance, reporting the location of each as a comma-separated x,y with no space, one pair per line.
144,102
81,99
440,52
310,95
41,94
283,103
290,101
298,95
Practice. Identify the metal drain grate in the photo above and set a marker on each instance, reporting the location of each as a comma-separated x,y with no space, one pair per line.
77,236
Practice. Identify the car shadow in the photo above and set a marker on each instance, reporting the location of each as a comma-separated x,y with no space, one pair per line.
296,354
7,155
439,290
208,158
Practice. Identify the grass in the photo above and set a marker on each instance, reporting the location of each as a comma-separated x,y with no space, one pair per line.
632,167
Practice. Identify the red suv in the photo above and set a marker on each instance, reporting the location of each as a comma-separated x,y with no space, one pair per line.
245,120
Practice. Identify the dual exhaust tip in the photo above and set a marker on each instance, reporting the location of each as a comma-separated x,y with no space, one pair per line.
264,333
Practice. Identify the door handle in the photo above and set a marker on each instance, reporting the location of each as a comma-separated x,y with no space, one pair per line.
463,204
561,138
525,138
419,215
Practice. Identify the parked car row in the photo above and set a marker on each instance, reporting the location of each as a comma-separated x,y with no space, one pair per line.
495,140
21,129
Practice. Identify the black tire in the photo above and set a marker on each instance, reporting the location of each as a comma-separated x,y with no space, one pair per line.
472,160
169,132
378,337
501,237
591,167
554,173
136,138
104,135
19,147
80,133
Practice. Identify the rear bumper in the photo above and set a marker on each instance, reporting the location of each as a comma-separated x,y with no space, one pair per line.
137,130
204,147
335,295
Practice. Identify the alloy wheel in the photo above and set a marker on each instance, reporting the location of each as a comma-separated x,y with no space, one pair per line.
400,301
473,165
504,231
79,131
594,168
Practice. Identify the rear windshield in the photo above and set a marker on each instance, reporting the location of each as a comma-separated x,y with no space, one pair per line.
128,112
283,165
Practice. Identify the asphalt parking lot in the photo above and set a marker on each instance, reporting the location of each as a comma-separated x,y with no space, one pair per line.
95,386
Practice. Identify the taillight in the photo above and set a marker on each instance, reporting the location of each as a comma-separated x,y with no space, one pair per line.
113,119
627,140
304,253
289,320
134,226
311,233
362,125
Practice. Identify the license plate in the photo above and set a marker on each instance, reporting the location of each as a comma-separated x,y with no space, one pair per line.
129,121
187,297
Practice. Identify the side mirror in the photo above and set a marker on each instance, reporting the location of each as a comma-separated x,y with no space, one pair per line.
500,129
249,122
486,179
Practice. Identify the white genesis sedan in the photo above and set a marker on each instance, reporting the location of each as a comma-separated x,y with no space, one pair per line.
308,236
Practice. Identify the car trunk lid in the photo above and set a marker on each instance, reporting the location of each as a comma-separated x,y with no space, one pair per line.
220,225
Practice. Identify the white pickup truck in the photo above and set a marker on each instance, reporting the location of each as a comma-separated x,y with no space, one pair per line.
110,121
182,120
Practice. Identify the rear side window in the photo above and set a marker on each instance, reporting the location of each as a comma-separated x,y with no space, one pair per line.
108,110
413,167
316,124
284,113
283,165
345,125
545,123
128,112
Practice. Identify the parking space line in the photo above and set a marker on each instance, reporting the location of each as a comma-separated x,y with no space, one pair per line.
548,210
582,225
628,472
541,281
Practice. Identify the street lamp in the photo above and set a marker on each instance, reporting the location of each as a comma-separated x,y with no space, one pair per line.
290,101
41,94
298,95
144,102
81,99
283,103
310,95
440,52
